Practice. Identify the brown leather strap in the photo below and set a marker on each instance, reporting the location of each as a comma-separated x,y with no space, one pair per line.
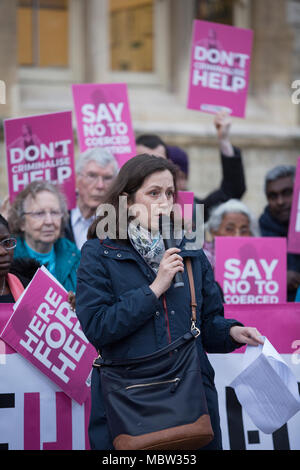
192,288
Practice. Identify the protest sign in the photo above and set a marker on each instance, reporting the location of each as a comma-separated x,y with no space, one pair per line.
41,148
46,332
103,119
6,310
220,65
185,201
281,324
293,243
251,269
35,414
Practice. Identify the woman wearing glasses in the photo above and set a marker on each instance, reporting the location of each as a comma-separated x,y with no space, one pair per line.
37,217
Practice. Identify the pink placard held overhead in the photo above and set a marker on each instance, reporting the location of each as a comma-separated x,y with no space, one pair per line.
46,332
293,244
251,270
41,148
220,65
185,201
103,119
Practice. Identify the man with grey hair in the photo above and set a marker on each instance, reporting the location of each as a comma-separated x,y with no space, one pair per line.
274,222
96,169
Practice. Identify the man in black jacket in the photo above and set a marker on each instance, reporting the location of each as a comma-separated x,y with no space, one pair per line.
274,222
233,179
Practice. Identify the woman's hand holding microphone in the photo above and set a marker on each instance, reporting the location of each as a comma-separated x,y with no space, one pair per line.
170,264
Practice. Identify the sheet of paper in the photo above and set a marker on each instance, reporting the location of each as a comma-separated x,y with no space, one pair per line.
266,388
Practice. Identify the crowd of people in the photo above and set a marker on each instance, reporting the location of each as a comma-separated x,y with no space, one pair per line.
113,303
48,234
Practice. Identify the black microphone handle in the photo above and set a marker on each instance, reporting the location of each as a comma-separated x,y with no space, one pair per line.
178,279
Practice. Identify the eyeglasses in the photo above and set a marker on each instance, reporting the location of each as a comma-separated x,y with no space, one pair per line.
9,243
93,178
40,215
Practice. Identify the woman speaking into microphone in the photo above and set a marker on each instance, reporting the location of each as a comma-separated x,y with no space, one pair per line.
128,305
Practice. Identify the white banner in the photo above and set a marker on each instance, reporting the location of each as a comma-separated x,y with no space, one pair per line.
238,431
34,413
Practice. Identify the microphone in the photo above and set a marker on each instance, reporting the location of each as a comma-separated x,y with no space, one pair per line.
166,229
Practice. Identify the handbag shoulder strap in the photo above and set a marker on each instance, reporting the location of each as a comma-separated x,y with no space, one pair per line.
192,288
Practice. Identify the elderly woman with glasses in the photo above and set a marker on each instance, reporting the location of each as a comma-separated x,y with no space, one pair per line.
38,217
230,219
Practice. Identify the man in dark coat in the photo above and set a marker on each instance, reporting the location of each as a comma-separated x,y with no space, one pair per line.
274,222
233,184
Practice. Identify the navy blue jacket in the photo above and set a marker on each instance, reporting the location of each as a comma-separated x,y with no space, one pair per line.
122,317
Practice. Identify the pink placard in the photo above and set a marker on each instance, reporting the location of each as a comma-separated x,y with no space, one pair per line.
280,323
103,119
6,311
185,199
251,269
293,243
41,148
46,332
220,66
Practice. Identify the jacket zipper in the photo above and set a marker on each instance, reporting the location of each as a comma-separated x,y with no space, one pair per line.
166,317
175,381
164,298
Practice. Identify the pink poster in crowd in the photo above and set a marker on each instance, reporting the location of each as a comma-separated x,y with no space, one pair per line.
52,421
251,270
46,332
6,310
103,119
280,323
293,243
220,66
41,147
185,199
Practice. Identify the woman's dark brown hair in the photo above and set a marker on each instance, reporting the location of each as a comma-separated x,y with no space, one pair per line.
129,180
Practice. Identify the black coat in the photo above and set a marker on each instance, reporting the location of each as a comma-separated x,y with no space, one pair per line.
232,186
121,316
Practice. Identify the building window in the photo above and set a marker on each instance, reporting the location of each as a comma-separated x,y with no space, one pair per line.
43,33
131,35
217,11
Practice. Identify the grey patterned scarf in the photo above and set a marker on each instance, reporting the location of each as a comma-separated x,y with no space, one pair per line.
151,249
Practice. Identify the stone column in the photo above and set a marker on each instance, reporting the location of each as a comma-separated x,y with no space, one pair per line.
97,41
293,18
8,56
183,14
272,64
8,77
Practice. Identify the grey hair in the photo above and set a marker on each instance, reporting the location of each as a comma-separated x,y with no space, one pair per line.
16,212
99,155
235,206
280,171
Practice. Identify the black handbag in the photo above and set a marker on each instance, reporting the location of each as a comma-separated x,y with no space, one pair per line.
157,402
